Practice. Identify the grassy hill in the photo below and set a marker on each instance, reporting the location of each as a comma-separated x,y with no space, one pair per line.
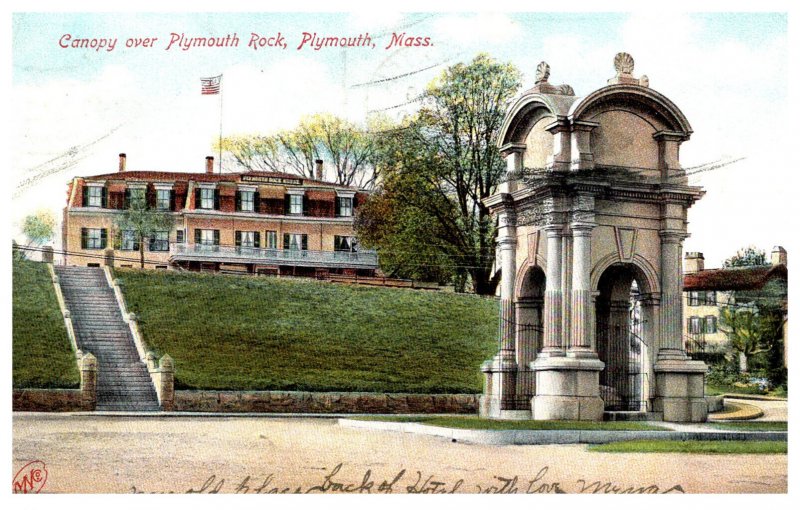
251,333
41,352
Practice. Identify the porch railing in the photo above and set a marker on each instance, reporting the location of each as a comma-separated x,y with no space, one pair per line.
186,251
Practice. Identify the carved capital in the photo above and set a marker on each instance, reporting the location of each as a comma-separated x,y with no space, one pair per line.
672,236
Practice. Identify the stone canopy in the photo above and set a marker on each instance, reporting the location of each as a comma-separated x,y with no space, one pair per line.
590,224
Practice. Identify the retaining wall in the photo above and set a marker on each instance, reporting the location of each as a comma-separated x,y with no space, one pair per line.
322,402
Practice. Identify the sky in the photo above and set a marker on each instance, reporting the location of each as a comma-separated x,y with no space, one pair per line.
74,109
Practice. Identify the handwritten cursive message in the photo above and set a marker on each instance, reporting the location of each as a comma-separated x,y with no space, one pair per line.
417,482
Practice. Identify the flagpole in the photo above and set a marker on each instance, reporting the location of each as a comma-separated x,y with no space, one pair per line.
220,123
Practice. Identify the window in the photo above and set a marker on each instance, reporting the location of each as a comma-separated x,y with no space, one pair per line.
94,196
345,243
710,324
159,241
179,236
345,206
694,325
93,238
207,198
711,298
272,240
164,199
295,242
207,237
247,239
694,298
129,241
135,196
295,204
247,201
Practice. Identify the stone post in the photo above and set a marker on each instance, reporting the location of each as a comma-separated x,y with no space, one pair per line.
167,393
88,368
47,254
108,258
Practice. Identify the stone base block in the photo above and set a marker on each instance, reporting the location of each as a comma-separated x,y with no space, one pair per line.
680,390
567,389
554,407
683,410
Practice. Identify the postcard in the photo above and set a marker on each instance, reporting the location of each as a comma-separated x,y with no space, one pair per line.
423,252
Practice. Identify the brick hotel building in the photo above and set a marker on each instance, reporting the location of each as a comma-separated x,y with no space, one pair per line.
251,222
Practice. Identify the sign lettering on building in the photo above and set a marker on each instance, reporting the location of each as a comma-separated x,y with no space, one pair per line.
271,179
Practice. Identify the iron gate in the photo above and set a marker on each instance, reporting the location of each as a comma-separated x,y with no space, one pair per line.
623,380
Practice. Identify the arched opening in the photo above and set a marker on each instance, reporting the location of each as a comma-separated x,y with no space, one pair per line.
621,338
529,329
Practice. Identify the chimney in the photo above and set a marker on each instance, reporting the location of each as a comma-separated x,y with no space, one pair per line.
693,262
318,170
778,256
123,161
209,164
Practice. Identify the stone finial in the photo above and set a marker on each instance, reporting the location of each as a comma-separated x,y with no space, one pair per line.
89,362
542,72
541,86
166,362
67,314
623,64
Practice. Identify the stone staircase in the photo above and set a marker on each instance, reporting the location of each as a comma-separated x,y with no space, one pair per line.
123,382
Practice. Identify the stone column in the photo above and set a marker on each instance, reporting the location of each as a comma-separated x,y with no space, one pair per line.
671,296
507,244
89,381
583,341
553,345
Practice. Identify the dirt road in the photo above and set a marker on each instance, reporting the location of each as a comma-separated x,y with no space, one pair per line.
88,454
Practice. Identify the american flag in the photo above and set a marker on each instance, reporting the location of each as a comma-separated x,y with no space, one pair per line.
210,86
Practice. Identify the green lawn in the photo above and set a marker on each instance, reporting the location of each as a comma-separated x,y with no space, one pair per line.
42,354
753,425
713,447
476,423
261,333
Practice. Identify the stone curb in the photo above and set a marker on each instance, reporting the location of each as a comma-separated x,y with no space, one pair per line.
744,396
742,412
544,437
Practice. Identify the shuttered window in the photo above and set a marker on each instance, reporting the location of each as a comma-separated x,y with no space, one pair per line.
207,198
694,325
94,196
164,199
271,241
246,201
295,242
94,238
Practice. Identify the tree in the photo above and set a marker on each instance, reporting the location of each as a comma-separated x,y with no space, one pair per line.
747,256
336,141
441,163
143,221
748,332
39,227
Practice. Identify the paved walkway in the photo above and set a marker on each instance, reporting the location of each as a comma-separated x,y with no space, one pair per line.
774,410
159,454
